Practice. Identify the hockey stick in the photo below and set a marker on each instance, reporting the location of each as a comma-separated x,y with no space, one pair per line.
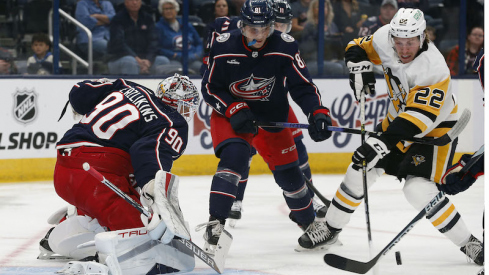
320,196
216,263
440,141
364,171
361,267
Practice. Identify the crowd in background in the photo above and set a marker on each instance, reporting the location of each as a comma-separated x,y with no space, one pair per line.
134,37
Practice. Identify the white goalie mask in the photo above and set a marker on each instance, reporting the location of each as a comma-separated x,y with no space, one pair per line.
181,94
408,23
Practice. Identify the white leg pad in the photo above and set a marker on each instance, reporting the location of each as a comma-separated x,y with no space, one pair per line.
72,232
133,251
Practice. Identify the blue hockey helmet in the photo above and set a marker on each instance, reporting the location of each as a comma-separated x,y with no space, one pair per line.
283,11
283,15
257,13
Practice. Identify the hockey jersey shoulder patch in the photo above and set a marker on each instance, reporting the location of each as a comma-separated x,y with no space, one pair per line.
223,37
287,38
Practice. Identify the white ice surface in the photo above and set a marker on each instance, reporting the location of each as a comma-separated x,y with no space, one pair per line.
264,239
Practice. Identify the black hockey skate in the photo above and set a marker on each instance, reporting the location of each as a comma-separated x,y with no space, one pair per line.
474,250
319,208
235,213
318,235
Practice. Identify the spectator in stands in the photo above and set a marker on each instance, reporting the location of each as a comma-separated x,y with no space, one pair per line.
221,8
7,65
473,44
388,9
348,18
96,16
170,37
42,61
299,17
133,44
333,50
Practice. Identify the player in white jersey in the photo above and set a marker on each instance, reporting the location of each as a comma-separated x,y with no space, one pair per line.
422,105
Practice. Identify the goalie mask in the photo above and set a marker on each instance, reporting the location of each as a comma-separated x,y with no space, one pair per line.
408,23
181,94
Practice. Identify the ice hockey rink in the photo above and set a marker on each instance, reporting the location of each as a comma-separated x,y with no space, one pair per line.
265,238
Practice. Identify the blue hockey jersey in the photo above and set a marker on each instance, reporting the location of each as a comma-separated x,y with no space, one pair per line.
127,116
260,77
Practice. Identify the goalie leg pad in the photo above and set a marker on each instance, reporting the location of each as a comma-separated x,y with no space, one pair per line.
72,232
134,252
167,221
444,217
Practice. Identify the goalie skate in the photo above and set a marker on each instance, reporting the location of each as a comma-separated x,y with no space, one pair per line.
235,213
46,253
318,236
213,231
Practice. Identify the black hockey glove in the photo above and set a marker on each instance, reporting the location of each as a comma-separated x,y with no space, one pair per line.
361,75
454,182
319,120
241,118
373,150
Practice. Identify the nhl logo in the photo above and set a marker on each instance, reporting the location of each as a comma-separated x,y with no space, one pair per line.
25,109
402,22
254,54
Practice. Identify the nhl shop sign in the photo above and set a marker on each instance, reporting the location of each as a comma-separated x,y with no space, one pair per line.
25,109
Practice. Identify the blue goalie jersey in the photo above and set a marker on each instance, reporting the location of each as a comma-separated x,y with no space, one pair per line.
260,77
127,116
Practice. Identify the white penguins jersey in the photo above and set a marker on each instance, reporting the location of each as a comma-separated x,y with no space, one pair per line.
420,91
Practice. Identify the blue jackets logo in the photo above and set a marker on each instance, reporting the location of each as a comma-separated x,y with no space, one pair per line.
25,109
253,88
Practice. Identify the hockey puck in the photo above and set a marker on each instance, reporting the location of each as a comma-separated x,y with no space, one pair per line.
398,258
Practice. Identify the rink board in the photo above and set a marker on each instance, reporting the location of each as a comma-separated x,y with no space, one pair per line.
30,129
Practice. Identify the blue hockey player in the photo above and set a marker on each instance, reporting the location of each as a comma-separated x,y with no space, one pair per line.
250,73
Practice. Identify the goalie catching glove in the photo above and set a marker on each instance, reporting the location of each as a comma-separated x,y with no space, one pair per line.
373,150
161,197
361,76
454,182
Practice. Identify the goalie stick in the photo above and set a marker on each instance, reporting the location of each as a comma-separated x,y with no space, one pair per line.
222,247
441,141
361,267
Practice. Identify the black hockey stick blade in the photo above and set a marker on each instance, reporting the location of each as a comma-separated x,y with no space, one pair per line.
361,267
343,263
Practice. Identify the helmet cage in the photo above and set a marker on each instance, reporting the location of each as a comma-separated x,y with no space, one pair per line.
181,94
